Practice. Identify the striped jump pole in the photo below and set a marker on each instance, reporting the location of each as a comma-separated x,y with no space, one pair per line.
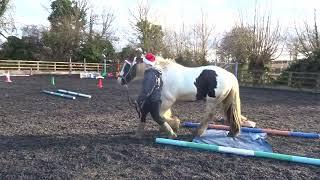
74,93
59,94
243,152
258,130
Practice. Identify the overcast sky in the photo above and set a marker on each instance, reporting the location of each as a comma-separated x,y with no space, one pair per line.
221,14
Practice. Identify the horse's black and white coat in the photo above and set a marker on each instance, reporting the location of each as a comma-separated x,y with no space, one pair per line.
181,83
206,84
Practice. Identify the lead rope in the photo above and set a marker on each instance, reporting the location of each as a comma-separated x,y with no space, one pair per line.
132,103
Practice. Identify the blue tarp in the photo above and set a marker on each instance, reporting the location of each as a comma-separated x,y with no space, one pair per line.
245,140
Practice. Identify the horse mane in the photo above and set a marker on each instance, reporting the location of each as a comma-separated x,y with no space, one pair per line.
164,62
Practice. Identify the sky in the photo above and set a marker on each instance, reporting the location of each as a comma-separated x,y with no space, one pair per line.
171,14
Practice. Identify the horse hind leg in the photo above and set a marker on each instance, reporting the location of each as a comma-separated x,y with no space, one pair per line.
232,112
244,121
204,124
210,109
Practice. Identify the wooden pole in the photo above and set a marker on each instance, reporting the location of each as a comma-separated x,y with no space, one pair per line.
70,66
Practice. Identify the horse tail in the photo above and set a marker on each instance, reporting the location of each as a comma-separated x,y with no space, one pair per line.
232,110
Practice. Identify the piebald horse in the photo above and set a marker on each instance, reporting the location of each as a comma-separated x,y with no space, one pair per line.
216,85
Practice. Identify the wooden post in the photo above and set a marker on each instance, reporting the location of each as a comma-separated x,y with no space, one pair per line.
289,79
70,66
19,68
55,67
318,84
84,65
104,72
38,66
118,69
236,69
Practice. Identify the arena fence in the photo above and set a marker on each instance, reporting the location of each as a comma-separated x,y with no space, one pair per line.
303,81
50,67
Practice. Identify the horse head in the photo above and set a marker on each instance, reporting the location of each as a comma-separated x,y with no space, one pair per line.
132,69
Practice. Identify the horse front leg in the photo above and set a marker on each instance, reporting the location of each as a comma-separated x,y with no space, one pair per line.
172,120
166,114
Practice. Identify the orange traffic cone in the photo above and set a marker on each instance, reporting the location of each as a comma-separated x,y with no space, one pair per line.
100,84
8,77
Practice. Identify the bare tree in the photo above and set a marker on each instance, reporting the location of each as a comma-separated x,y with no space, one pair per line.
191,45
92,22
177,42
67,28
201,40
107,18
6,18
102,26
235,45
141,16
292,44
265,41
256,43
3,6
307,40
33,31
149,35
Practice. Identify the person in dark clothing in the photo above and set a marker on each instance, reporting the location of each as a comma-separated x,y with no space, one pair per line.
149,100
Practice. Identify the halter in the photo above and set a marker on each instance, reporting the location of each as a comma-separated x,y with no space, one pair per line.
131,65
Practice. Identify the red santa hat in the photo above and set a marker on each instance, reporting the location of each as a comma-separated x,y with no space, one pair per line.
149,59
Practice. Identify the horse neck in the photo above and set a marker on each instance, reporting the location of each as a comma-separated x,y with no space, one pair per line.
140,71
166,63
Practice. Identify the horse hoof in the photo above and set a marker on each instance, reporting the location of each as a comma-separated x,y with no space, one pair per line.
176,126
198,133
137,136
248,123
230,134
173,136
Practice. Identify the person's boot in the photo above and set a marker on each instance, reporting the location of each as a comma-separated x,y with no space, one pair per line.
140,130
167,128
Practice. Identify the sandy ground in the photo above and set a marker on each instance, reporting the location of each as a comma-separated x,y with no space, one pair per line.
47,137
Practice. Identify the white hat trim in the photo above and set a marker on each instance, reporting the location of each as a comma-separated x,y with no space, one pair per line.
148,62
